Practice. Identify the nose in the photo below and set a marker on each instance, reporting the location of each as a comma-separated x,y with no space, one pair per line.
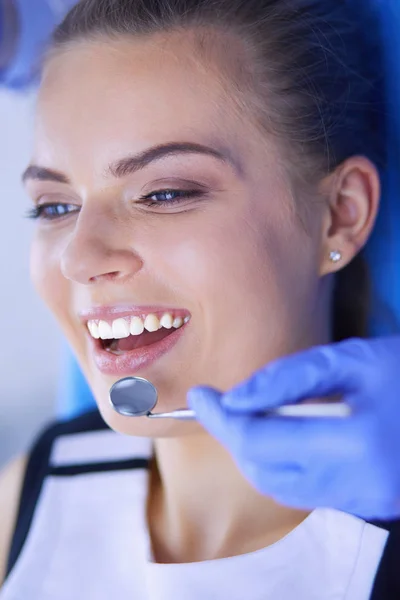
100,248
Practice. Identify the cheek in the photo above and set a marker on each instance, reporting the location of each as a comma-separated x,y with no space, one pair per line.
47,279
249,275
225,257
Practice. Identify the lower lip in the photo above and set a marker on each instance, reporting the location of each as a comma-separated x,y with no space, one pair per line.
131,362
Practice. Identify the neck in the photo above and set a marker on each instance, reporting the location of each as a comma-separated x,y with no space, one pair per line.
201,507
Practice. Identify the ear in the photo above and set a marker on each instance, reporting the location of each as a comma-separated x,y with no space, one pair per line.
353,193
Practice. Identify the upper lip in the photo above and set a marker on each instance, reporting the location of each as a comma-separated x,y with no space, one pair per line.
109,313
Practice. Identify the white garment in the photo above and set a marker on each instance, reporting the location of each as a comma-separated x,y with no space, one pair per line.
89,541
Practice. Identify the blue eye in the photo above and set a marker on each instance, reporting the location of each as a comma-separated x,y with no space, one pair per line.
183,196
51,211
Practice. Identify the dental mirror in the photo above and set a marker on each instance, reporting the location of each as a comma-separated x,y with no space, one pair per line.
133,396
136,397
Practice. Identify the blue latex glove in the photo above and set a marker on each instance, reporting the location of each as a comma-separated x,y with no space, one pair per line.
350,464
36,22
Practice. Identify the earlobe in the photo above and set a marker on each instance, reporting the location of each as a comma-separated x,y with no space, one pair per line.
351,211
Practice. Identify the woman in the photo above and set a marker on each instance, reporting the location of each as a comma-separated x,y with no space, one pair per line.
192,225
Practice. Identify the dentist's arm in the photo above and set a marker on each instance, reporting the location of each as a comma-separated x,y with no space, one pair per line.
350,464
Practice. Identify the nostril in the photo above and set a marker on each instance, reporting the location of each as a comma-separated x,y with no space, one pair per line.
106,276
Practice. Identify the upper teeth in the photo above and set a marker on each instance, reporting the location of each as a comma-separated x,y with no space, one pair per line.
124,327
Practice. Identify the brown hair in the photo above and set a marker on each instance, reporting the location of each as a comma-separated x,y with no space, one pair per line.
324,57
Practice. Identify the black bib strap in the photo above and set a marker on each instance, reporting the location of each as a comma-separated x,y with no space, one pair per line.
387,580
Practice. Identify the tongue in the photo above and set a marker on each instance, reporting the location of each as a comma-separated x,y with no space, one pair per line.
138,341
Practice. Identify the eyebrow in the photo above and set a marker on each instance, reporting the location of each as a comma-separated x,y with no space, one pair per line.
132,164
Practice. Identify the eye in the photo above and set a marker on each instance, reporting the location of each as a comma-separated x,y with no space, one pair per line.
169,197
51,212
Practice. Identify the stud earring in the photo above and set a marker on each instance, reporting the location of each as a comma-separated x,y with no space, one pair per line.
336,256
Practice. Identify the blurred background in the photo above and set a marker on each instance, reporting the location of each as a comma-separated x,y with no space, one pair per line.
30,347
32,352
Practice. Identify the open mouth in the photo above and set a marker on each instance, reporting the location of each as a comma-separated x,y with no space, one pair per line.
129,344
130,333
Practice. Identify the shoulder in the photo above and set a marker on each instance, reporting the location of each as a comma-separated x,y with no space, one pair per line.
21,481
11,479
80,446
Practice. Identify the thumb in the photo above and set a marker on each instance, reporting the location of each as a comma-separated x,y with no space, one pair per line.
205,401
313,373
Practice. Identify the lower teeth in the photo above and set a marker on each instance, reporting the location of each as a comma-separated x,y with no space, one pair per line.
112,347
134,342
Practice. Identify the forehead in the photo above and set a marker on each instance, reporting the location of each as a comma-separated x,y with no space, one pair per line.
101,97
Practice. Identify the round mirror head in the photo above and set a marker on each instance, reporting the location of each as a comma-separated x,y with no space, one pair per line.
133,396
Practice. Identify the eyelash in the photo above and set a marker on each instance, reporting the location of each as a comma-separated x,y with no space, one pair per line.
38,212
184,195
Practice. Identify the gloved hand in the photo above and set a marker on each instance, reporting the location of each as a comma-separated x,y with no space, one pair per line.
25,30
350,464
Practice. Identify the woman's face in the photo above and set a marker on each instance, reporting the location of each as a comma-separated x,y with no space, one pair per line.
233,256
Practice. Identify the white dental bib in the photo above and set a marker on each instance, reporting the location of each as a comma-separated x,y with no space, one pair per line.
82,535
